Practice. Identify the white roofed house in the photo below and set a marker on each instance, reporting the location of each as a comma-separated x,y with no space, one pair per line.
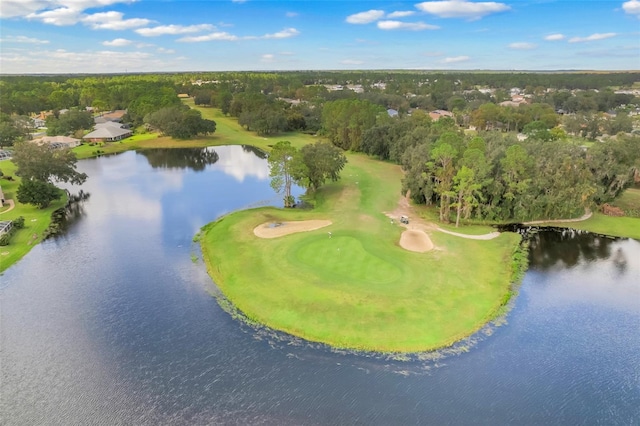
107,132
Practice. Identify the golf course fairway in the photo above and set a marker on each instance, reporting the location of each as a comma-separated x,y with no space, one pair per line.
349,284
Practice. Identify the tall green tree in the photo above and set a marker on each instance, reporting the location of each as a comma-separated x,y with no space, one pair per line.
442,165
467,190
322,162
38,193
284,164
44,164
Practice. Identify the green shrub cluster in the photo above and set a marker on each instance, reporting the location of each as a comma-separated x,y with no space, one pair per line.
5,238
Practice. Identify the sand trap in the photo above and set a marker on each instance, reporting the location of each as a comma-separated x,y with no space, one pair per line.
279,229
414,240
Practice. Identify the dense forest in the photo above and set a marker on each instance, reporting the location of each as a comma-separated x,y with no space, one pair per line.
511,146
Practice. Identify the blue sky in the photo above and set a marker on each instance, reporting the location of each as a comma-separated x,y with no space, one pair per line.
102,36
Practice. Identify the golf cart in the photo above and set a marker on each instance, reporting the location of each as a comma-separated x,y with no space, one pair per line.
404,219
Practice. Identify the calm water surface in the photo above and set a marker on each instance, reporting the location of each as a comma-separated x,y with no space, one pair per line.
113,323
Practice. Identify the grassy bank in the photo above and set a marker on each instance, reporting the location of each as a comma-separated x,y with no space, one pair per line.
358,289
607,225
627,226
36,220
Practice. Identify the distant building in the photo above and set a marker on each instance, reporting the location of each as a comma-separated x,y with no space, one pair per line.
107,133
38,122
112,116
392,112
439,113
57,141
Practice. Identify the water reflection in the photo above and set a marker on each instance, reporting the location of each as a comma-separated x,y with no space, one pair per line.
242,162
196,159
551,246
254,150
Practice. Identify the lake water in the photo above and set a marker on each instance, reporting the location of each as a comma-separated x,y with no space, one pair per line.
113,323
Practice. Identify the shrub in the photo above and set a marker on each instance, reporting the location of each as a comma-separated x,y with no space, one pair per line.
5,239
18,223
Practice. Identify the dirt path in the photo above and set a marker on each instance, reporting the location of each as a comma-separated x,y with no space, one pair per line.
587,214
12,205
404,208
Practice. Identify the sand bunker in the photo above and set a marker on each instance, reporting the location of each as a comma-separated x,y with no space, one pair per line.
279,229
415,240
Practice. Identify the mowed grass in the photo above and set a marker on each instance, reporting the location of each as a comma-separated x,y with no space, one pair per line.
36,220
358,289
608,225
629,201
599,223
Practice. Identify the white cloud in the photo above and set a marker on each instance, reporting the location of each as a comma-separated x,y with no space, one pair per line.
555,37
118,42
400,14
291,14
173,30
461,8
286,53
455,59
165,50
60,16
112,21
592,37
286,33
399,25
365,17
351,62
23,39
522,46
217,36
224,36
23,8
63,61
268,57
632,7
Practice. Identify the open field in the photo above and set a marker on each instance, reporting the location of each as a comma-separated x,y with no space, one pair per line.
36,220
357,288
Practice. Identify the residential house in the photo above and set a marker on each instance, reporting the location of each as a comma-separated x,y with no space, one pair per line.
38,122
392,112
439,113
106,132
113,115
57,141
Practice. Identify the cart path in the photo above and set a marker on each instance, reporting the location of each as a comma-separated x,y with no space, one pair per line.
12,205
404,208
587,214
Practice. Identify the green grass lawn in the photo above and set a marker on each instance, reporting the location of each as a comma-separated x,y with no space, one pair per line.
358,289
626,226
607,225
629,201
36,220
